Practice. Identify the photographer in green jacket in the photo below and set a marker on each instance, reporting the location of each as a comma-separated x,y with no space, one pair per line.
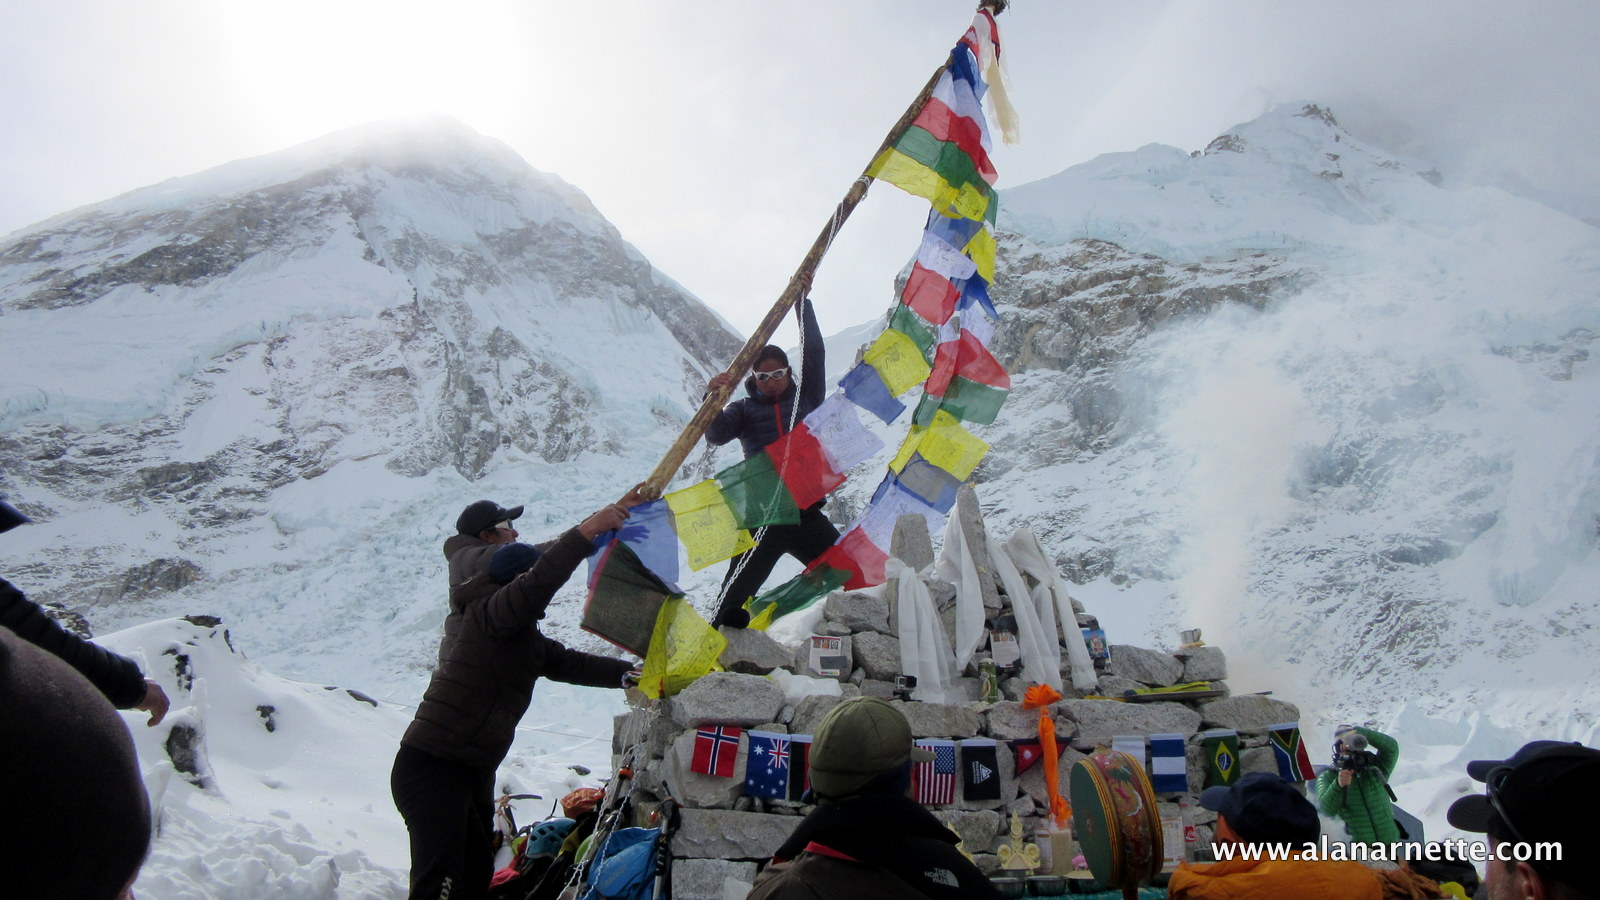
1356,789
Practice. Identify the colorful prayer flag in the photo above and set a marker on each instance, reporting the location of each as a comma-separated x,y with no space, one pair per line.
856,554
1290,751
705,525
934,781
1029,751
803,467
980,770
625,598
1222,757
943,443
766,769
648,533
929,296
864,387
797,593
1169,769
756,495
799,765
716,750
933,485
683,647
897,360
845,442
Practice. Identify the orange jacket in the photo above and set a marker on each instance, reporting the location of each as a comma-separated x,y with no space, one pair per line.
1300,879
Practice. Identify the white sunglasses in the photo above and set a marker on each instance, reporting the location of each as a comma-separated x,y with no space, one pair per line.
774,375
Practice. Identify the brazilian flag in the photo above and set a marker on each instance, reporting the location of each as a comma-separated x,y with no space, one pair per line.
1222,757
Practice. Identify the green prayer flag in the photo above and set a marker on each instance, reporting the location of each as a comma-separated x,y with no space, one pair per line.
756,494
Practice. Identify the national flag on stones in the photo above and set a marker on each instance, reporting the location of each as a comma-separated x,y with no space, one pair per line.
1222,757
933,782
980,770
1169,772
766,769
1029,752
799,765
1290,751
716,750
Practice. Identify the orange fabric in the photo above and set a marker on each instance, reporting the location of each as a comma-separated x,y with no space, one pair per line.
1301,879
1040,696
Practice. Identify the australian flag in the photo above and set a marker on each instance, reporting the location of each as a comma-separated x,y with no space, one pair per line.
766,771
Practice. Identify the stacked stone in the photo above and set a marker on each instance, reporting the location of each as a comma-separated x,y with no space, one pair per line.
723,834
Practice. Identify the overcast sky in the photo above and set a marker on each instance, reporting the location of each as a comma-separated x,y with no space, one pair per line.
719,136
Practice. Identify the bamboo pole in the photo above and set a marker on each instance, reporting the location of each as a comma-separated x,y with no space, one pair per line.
799,285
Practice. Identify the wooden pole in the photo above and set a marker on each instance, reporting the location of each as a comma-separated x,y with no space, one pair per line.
798,285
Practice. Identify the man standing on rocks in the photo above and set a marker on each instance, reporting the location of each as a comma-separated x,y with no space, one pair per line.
867,838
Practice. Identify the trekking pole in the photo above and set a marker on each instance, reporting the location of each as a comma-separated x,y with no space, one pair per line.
798,285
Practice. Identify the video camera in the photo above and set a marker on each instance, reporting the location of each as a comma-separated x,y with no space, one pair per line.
1351,754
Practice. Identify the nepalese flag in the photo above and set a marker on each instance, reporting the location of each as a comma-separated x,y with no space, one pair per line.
1169,767
1222,757
934,782
766,769
1029,752
967,382
716,750
1293,762
980,770
944,155
799,765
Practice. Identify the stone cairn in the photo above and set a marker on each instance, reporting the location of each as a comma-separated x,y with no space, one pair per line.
723,834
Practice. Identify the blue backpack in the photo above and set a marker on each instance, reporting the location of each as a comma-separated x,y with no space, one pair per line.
625,866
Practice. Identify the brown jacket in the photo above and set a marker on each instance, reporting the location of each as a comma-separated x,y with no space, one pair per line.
485,677
468,556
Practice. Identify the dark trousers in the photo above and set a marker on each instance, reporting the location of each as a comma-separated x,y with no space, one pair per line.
449,812
805,540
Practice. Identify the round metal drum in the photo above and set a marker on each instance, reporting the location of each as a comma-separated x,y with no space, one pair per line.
1115,820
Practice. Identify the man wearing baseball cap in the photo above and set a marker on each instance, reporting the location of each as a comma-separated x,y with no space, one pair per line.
867,837
1264,810
1544,794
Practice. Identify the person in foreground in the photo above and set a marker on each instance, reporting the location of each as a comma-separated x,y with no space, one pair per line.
1263,810
867,837
1546,793
443,776
773,403
74,816
118,677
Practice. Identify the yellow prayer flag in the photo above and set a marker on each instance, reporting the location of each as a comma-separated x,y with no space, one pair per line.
705,525
981,249
952,447
915,177
683,647
945,444
898,360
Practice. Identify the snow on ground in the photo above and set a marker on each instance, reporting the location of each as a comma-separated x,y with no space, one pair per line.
289,797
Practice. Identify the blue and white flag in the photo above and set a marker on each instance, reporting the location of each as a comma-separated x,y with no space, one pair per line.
1169,770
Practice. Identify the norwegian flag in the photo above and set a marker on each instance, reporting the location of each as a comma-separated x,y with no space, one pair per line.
934,781
716,749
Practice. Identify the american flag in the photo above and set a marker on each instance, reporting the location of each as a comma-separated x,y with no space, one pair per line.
935,780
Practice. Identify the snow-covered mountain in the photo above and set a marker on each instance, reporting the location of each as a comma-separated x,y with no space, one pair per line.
1322,403
1327,404
264,391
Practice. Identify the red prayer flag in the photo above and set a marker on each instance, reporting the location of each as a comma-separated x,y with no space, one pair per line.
857,554
716,749
968,358
803,466
930,295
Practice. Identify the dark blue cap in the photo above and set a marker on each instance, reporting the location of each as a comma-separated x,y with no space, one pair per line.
1263,808
512,560
11,517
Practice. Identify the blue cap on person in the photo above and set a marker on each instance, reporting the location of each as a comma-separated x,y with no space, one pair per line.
1263,808
11,517
510,561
